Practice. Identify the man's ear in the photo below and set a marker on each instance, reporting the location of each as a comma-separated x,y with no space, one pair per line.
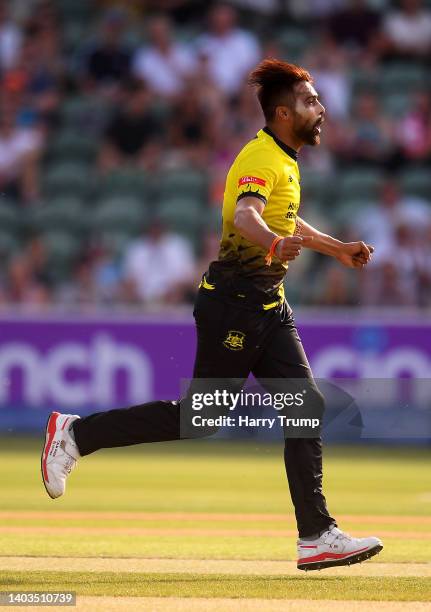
282,113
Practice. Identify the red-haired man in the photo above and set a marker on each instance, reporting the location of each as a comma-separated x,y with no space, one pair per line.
244,324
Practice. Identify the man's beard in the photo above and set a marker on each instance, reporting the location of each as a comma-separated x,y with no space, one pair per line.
308,134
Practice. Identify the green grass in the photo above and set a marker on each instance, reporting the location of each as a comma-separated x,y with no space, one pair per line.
222,585
211,477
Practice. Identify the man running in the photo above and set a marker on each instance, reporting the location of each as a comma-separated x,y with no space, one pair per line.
244,324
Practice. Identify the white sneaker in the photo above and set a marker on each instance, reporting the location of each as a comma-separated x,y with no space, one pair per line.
334,547
59,454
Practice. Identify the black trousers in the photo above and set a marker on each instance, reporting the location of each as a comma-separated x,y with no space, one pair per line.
232,343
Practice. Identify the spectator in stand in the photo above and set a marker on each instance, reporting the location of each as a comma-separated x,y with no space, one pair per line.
24,284
158,267
368,138
378,222
163,64
132,138
10,39
355,27
190,128
328,63
407,31
20,151
37,74
107,64
395,281
413,131
425,268
335,287
231,51
96,280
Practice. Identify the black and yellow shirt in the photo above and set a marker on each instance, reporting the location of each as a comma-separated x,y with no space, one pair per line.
267,169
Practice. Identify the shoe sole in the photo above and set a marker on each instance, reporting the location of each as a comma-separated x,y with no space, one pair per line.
47,445
357,558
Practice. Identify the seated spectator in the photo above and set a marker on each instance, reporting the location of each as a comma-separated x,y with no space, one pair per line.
191,129
413,130
38,73
425,267
386,285
130,138
377,222
23,285
335,287
328,65
158,267
95,280
368,137
10,39
20,150
395,279
108,62
231,52
355,26
247,117
408,30
163,64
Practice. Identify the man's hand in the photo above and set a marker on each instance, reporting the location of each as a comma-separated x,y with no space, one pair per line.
354,254
290,247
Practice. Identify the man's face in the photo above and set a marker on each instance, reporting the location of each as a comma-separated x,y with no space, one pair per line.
308,114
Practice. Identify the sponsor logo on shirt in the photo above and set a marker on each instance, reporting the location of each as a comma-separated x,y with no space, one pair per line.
244,180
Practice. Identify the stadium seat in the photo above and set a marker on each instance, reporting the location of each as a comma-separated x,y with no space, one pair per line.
293,43
363,80
346,208
183,183
9,244
123,214
84,111
212,220
396,104
134,183
402,77
9,217
64,214
62,249
317,187
74,10
66,179
182,214
70,146
417,181
115,241
359,183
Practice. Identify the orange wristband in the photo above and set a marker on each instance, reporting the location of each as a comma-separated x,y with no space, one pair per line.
270,254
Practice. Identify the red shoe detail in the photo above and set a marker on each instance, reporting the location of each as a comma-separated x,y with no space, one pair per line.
328,555
51,427
65,423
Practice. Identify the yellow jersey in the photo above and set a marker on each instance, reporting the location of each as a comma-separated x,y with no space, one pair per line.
267,169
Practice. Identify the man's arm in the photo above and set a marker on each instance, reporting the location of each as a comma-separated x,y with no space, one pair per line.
350,254
250,224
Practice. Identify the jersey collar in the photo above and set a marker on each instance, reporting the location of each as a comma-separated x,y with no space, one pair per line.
291,152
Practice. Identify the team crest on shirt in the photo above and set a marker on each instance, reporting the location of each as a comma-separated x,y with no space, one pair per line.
234,340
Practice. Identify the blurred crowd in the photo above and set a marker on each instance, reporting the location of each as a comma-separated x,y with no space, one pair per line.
151,90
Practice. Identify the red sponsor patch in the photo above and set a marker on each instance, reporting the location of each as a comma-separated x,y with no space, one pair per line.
244,180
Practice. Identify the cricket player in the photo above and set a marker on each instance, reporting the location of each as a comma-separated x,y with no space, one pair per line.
244,324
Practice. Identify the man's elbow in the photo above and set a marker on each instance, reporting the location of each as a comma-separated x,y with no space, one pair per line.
240,218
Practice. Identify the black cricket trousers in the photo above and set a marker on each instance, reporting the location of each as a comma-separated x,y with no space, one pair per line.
267,345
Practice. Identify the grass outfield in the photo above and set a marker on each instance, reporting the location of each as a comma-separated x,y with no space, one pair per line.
211,500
